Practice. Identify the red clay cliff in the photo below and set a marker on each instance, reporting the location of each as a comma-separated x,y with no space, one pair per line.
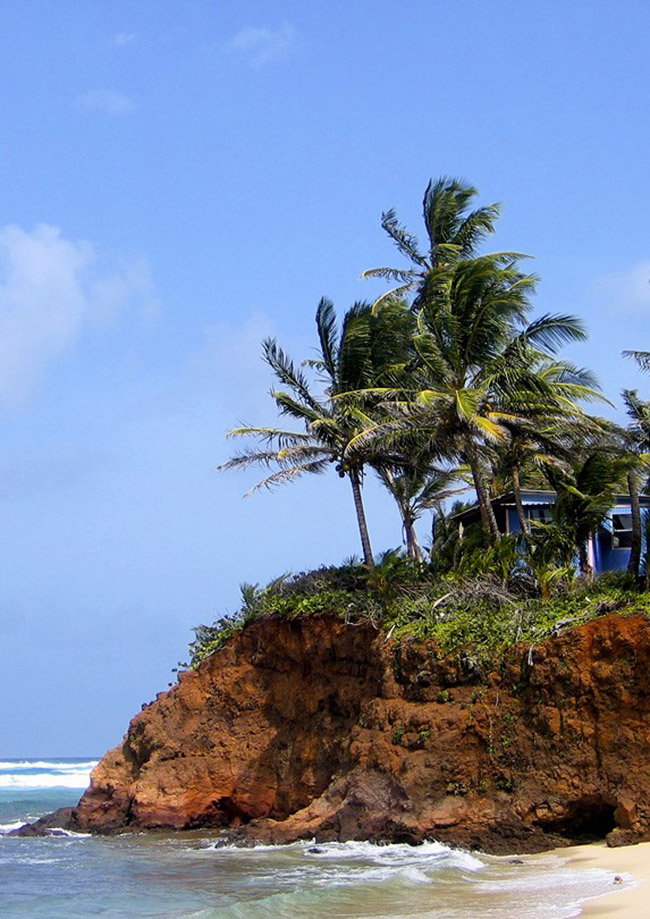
313,728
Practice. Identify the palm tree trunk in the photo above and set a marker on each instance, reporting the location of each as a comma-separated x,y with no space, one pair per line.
635,507
586,571
413,547
489,521
355,481
519,504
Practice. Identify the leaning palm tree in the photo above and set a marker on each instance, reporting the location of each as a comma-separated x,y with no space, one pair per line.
350,359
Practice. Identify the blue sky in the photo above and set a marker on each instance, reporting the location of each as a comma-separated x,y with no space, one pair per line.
181,180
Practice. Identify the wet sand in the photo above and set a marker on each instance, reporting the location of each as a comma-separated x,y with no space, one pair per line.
625,901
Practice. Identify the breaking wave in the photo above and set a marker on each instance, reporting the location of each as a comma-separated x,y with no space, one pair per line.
35,774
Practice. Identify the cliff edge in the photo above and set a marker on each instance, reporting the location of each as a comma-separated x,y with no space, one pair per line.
313,728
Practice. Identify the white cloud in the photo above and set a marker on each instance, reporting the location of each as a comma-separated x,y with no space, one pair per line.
262,46
120,39
130,282
50,287
104,100
627,292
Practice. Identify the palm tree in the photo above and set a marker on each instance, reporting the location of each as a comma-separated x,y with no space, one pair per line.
352,359
546,424
417,485
636,443
637,437
584,497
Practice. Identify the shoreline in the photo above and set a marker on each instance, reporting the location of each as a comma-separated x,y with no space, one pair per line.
627,900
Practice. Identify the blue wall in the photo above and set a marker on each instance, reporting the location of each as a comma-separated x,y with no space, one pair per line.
609,558
606,556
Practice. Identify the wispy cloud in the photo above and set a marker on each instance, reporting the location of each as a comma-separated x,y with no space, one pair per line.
258,47
627,292
107,101
50,288
120,39
130,282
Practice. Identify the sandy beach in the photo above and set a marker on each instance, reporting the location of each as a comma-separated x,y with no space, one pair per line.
631,902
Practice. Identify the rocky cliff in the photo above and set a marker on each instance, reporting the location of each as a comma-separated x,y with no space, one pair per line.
313,728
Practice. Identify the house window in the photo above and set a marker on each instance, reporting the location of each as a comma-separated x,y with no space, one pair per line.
621,531
539,514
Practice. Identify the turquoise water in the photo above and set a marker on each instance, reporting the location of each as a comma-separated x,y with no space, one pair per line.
189,875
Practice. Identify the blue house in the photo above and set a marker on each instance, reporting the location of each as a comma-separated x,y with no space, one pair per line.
608,548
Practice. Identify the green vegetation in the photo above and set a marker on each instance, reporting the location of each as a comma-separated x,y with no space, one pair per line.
476,617
446,383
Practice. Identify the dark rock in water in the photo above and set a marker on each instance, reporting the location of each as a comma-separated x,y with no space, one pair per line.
315,850
311,729
220,844
51,825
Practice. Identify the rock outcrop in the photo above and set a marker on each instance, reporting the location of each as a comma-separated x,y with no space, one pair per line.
313,728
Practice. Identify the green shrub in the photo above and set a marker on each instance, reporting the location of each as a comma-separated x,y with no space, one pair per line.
478,609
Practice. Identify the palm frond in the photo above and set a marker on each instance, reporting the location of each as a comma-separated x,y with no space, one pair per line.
302,411
406,242
487,428
288,373
354,361
391,297
327,335
550,332
283,456
467,403
403,275
475,227
290,474
641,357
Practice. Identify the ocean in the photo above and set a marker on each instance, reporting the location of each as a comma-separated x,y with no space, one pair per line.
189,876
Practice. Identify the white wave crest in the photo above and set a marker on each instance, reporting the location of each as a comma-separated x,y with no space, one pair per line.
393,857
41,774
48,765
46,780
8,827
398,854
414,876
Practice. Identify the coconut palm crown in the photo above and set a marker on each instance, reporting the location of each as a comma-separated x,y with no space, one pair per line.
454,231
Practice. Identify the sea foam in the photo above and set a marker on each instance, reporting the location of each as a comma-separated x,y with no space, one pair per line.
13,765
35,774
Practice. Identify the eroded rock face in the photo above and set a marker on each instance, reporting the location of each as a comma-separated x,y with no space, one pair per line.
313,728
